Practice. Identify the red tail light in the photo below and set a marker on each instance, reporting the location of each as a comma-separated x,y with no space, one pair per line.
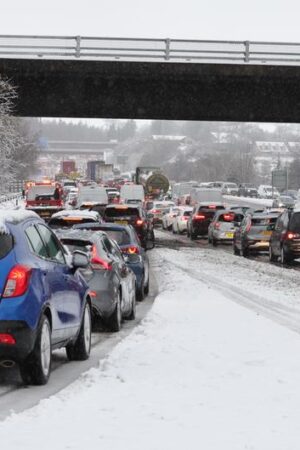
7,339
156,211
290,235
199,217
212,206
98,263
185,218
139,222
228,217
131,250
17,281
217,225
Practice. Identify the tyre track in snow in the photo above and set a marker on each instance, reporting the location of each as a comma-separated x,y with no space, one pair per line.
282,314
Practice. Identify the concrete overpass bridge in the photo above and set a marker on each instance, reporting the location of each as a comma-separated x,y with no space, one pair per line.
76,148
167,79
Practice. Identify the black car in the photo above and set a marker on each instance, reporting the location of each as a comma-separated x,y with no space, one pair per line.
201,218
253,235
112,283
133,215
285,238
129,243
247,190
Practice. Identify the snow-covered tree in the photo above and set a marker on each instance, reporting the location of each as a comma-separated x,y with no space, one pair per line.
9,137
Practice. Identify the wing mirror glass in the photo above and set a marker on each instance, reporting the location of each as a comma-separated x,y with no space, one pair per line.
80,260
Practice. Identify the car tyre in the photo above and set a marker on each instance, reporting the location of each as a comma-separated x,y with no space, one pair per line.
236,251
272,257
36,368
284,259
80,350
115,320
140,293
214,242
132,314
147,286
193,236
245,252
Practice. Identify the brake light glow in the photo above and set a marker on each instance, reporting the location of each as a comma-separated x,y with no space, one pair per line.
7,339
291,235
98,263
17,281
131,250
212,207
199,217
228,217
139,222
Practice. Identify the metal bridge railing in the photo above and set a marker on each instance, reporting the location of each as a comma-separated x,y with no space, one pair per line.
132,49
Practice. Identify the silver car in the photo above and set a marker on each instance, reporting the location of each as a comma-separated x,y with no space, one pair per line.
223,226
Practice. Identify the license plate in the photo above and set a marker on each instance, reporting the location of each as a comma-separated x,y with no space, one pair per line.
44,214
267,233
229,235
121,222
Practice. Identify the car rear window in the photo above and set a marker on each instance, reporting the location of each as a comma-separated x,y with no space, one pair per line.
120,236
122,212
77,244
68,222
211,207
263,223
6,244
295,222
227,217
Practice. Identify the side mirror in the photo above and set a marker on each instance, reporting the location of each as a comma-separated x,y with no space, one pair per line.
80,260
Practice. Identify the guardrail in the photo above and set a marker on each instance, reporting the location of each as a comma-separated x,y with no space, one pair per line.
4,198
167,50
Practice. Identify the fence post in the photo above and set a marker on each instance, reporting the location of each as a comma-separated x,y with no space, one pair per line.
77,51
167,50
247,51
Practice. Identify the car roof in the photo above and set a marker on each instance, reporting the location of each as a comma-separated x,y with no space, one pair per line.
15,216
106,225
71,233
76,213
123,206
265,215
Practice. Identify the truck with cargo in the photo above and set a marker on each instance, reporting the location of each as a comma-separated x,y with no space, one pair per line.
154,181
44,198
99,171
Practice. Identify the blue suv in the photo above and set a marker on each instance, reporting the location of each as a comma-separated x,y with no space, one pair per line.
44,300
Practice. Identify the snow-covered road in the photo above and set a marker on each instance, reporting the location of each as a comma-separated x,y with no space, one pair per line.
201,371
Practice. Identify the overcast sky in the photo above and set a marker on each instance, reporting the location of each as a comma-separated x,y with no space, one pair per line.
211,19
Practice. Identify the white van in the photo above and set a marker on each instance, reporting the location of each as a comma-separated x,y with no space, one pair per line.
131,193
92,195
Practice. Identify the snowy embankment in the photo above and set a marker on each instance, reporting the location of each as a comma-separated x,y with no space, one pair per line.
200,372
248,201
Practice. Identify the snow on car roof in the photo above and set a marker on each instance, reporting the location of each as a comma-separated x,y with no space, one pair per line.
76,213
14,216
